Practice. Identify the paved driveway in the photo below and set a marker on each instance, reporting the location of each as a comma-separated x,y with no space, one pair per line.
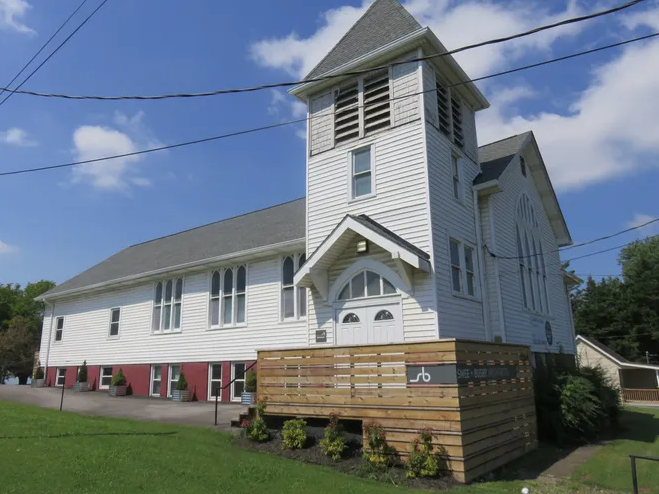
130,407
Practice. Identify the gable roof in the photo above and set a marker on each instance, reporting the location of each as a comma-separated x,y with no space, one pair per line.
496,156
384,22
385,232
274,225
615,357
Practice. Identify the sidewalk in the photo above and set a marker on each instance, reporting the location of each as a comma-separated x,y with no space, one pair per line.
129,407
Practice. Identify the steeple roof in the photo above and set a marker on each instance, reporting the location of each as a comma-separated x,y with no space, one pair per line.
384,22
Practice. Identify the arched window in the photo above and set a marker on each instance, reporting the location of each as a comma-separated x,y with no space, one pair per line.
366,284
241,284
532,269
167,303
157,308
215,299
178,296
228,297
351,318
227,292
384,315
167,318
293,299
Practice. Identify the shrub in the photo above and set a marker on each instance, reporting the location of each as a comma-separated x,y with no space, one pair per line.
38,372
581,410
607,392
257,430
119,379
379,454
294,433
250,382
82,375
422,461
181,384
333,443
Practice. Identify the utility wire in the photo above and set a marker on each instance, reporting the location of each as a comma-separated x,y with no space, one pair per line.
607,250
13,91
610,236
342,74
43,46
308,119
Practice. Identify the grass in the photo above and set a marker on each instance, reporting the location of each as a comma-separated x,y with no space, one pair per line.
44,450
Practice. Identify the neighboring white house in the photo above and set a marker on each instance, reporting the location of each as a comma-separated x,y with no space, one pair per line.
409,231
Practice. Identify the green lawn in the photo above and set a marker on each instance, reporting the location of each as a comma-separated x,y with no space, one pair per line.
44,450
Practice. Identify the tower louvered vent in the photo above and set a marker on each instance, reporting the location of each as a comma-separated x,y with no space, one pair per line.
458,135
377,110
346,113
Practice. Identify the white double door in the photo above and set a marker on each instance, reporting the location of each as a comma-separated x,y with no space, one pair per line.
371,324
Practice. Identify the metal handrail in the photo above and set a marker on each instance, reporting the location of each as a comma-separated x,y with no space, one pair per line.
634,478
218,391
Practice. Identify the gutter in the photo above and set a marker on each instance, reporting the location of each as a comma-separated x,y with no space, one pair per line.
169,269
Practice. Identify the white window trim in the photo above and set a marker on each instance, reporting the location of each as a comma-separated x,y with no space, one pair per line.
366,296
172,329
351,177
233,377
153,367
211,396
100,376
57,371
57,318
463,293
169,378
234,298
296,306
110,335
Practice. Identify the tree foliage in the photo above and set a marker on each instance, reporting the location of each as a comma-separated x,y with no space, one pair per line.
623,313
20,322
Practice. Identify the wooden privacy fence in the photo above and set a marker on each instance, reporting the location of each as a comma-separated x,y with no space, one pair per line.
645,395
477,397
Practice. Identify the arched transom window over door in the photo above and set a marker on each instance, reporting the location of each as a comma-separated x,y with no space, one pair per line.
366,284
532,268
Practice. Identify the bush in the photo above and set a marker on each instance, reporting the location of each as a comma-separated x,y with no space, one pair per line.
181,384
294,433
379,453
333,443
119,379
257,430
38,372
250,382
82,375
422,461
575,405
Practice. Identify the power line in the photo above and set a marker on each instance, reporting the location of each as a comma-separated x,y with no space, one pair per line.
307,119
607,250
43,46
12,92
610,236
342,74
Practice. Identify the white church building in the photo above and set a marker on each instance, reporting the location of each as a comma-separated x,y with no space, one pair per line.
409,231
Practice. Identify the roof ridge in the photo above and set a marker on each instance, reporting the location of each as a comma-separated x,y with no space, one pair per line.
505,139
214,223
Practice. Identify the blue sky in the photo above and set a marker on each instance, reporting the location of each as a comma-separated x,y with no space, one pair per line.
595,118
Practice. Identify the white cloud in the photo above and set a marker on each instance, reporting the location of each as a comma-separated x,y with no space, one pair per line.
17,137
485,20
7,249
642,219
10,12
93,141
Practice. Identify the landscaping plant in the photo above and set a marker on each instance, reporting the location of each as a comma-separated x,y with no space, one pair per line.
119,379
333,443
423,462
250,382
379,454
38,373
181,384
82,375
294,433
256,430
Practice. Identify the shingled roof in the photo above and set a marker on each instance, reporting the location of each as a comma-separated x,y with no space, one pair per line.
277,224
496,156
384,22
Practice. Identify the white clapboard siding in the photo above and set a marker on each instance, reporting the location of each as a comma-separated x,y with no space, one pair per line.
417,310
321,123
458,317
405,83
86,325
518,319
490,272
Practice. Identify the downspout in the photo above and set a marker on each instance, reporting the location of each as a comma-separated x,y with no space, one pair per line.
481,270
50,337
497,274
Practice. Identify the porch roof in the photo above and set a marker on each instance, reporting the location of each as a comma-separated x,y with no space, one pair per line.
314,271
618,359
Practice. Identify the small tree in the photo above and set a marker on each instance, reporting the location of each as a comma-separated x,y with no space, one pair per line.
82,375
250,382
181,384
38,372
119,379
333,443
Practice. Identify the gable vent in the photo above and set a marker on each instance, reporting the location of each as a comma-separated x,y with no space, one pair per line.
443,109
458,135
346,113
377,109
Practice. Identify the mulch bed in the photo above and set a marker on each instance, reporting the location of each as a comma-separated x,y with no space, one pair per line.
352,462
